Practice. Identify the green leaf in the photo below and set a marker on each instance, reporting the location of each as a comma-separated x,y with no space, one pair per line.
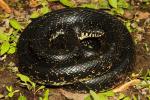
10,94
94,95
46,95
88,97
24,78
4,47
113,3
26,81
118,11
146,78
102,97
9,88
14,37
40,98
40,88
67,3
146,0
134,97
93,6
4,37
128,25
33,84
12,50
44,3
34,14
123,4
29,87
127,98
13,44
148,97
15,24
146,46
21,97
52,0
121,96
104,4
108,93
44,10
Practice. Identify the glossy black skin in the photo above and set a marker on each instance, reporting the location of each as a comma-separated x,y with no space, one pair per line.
52,50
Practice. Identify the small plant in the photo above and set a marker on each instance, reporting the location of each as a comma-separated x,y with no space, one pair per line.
8,40
115,6
128,25
99,96
118,6
11,92
8,43
21,97
46,95
31,86
123,97
43,10
146,80
146,46
15,24
68,3
107,95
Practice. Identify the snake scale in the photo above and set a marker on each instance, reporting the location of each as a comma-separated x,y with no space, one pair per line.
80,49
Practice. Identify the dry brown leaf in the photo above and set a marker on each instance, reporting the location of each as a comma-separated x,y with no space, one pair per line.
127,85
129,14
73,96
142,15
33,3
5,6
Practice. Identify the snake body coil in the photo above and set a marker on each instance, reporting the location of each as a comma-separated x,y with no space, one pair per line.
81,48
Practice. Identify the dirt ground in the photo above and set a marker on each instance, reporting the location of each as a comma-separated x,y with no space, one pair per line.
140,14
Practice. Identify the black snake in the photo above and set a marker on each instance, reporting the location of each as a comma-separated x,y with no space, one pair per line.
78,48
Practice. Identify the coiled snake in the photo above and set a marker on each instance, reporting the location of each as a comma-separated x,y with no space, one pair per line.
78,48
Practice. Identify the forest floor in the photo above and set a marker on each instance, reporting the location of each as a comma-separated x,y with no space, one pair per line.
18,15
